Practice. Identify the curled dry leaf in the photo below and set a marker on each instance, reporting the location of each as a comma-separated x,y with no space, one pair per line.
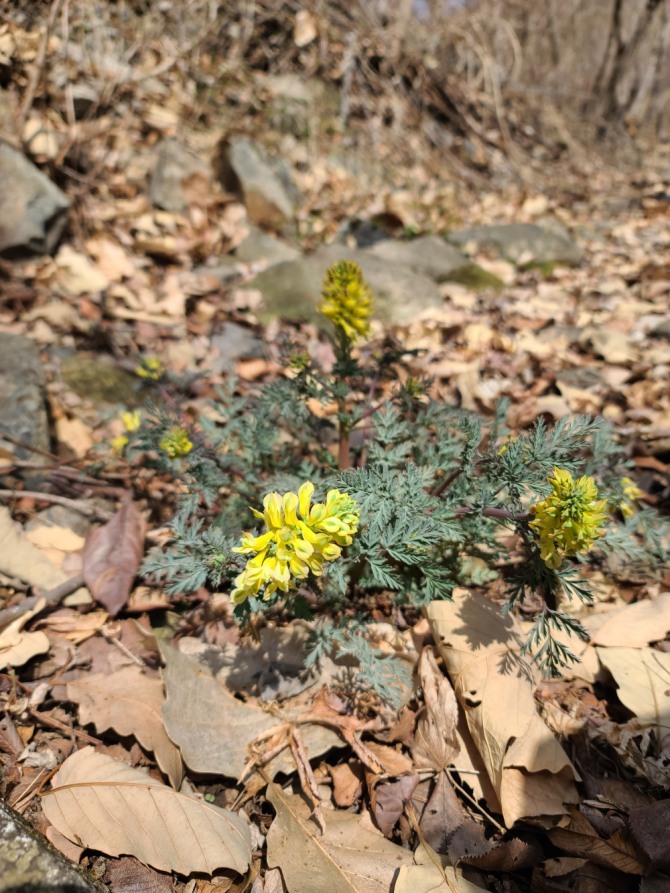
431,873
435,741
129,702
350,857
582,839
529,770
17,646
112,555
108,806
20,558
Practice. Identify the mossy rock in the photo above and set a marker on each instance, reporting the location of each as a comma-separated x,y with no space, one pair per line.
476,278
100,381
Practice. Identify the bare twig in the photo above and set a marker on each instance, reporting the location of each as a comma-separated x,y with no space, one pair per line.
38,67
76,504
51,598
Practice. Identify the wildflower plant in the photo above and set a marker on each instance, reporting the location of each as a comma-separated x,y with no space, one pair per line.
390,495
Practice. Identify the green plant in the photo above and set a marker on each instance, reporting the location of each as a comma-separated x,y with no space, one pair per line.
398,494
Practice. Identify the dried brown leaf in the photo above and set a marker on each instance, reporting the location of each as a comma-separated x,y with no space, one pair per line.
129,702
350,857
389,798
108,806
435,742
112,555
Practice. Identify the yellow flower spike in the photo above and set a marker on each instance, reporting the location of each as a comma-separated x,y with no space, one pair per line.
347,299
568,521
299,538
176,443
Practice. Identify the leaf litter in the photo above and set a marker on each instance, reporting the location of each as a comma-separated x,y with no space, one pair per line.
477,761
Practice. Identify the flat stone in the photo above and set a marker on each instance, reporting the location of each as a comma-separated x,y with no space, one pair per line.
174,166
32,208
429,255
260,247
29,864
23,413
100,381
521,242
292,289
264,188
235,342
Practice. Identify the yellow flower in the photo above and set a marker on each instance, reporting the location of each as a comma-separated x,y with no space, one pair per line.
176,443
568,521
119,443
131,420
347,299
632,493
151,368
299,538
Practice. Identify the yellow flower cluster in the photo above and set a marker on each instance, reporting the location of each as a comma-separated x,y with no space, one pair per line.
632,493
151,368
568,521
176,442
131,422
347,299
299,538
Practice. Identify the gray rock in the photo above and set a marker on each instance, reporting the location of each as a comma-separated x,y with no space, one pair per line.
518,241
23,414
662,330
234,342
259,246
174,165
32,208
100,381
428,254
292,289
29,864
265,191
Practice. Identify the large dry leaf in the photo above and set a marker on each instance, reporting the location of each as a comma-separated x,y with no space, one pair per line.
636,625
213,729
529,770
435,741
643,678
17,646
112,554
432,874
21,559
108,806
581,839
350,857
129,702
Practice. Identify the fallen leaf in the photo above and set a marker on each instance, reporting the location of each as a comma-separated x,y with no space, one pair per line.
213,729
75,626
582,839
529,770
17,647
76,275
129,702
350,857
347,783
442,815
435,742
20,558
636,625
389,799
643,679
107,806
112,555
649,825
430,873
